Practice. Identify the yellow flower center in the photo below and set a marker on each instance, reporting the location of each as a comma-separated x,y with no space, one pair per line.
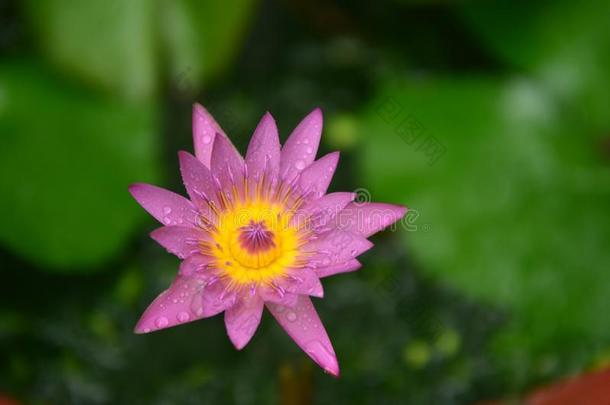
254,242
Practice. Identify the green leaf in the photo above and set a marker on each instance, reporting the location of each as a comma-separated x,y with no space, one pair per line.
202,37
66,160
564,43
121,46
514,212
109,43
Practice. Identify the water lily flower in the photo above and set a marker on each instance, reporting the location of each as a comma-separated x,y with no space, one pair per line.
257,232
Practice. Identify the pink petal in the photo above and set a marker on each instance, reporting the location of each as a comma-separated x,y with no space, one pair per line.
345,267
303,281
181,303
335,247
317,177
264,149
227,163
277,295
216,298
301,146
368,218
182,241
242,320
197,264
205,129
197,179
318,213
304,326
167,207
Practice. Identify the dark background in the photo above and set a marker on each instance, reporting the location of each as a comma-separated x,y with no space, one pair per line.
489,120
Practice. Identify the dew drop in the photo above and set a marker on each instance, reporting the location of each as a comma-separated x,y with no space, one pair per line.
167,210
161,322
305,141
206,139
291,316
167,220
183,316
299,164
309,149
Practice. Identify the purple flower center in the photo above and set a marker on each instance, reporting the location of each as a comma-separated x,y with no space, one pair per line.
255,237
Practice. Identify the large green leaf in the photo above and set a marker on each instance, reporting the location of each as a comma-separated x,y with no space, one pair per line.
121,46
66,159
202,36
564,43
109,43
515,212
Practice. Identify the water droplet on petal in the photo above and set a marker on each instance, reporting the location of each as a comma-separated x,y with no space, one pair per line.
299,164
167,210
206,139
161,322
309,149
183,316
291,316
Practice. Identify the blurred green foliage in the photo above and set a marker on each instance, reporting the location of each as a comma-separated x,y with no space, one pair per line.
124,47
64,152
490,120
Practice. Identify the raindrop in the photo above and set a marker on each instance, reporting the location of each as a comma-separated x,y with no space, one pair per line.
291,316
167,210
309,149
183,316
299,164
206,139
161,322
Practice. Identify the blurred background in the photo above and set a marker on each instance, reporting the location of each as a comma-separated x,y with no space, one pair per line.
490,120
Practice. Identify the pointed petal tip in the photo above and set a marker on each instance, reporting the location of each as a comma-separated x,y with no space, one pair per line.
139,329
334,371
184,158
198,108
182,154
267,120
134,188
239,345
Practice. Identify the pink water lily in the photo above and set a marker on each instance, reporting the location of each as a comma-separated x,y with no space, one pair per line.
257,232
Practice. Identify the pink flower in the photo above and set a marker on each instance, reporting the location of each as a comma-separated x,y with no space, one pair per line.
259,231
